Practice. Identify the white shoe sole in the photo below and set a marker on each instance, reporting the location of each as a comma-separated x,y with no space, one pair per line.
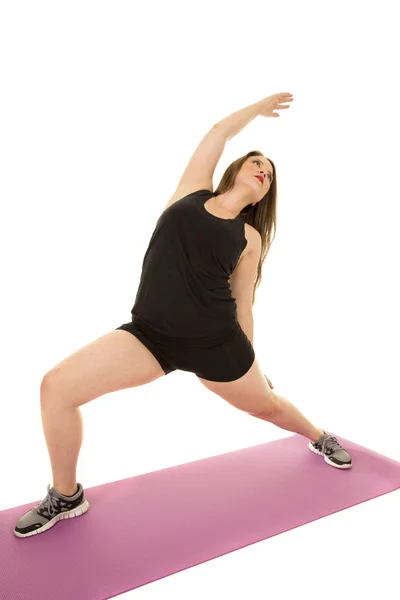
326,458
70,514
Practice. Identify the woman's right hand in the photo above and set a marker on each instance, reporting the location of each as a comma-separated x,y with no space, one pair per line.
274,102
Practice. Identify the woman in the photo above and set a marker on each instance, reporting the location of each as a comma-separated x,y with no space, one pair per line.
193,312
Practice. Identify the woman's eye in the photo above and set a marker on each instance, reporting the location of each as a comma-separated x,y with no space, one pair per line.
269,176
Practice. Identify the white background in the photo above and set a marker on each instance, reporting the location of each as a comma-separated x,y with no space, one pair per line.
103,103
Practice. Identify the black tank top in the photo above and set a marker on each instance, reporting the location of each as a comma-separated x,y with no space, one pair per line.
184,289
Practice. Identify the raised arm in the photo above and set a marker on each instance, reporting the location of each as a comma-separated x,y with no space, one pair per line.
200,169
199,172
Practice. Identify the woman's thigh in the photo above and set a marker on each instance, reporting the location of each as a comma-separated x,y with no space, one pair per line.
115,361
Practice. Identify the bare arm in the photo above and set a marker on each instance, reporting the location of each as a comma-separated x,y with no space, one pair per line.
238,120
265,107
243,277
202,164
199,171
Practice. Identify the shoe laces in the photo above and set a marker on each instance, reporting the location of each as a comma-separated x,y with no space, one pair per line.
330,444
49,505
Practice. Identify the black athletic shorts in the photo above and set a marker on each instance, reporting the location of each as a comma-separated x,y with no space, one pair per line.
225,358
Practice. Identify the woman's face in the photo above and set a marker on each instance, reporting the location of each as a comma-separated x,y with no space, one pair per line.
258,172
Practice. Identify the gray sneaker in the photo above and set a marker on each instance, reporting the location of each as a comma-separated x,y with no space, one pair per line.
333,453
55,507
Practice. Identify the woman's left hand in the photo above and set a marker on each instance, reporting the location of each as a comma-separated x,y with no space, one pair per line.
275,102
269,383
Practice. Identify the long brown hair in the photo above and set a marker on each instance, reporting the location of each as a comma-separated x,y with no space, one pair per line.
262,216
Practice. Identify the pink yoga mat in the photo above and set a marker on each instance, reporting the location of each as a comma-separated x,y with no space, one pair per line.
150,526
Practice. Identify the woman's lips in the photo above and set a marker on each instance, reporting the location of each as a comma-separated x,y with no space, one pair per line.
260,178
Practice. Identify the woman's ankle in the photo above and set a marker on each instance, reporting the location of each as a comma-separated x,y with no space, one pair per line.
67,490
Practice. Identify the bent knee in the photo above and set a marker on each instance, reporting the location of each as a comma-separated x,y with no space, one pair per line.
45,385
270,407
48,384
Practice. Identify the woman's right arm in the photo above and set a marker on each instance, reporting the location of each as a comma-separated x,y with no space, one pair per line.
199,172
238,120
202,164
